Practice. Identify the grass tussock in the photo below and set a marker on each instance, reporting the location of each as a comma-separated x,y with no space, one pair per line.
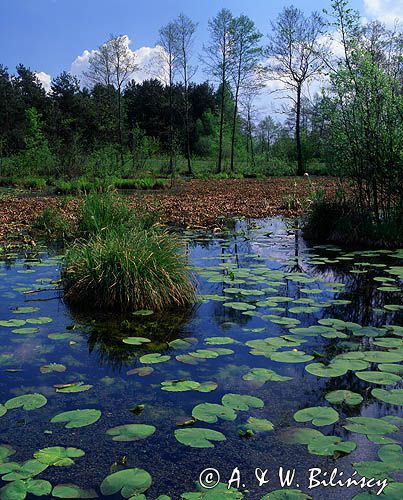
124,261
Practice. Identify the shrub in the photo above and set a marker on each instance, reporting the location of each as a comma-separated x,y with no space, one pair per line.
52,222
127,270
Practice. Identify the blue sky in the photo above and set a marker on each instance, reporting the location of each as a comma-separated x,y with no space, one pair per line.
47,35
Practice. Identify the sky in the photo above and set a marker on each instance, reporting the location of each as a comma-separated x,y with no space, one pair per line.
50,36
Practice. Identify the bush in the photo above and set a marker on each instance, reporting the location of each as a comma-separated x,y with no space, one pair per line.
52,222
127,270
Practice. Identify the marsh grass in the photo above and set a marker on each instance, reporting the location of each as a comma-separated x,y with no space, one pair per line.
124,260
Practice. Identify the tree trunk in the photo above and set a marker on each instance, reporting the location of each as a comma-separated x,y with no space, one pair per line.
234,128
300,166
120,125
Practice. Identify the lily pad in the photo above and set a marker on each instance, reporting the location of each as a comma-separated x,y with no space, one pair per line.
286,494
198,438
52,367
142,371
58,455
77,418
71,388
131,432
12,322
369,425
72,491
393,396
12,471
263,375
26,402
210,412
241,402
321,370
136,340
318,415
344,396
130,482
293,356
40,320
154,358
256,425
381,378
330,446
18,490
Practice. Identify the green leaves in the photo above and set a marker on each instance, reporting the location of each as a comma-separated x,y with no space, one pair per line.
262,375
58,456
130,482
330,446
344,396
187,385
12,471
318,415
199,438
154,358
136,340
77,418
241,401
381,378
369,425
210,412
27,402
52,367
18,490
131,432
256,425
293,356
393,396
72,491
77,387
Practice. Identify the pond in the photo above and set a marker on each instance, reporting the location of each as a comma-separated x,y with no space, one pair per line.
281,328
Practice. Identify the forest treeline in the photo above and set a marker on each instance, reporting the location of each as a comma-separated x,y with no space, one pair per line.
109,124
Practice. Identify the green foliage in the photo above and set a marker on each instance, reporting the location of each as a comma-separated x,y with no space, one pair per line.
51,222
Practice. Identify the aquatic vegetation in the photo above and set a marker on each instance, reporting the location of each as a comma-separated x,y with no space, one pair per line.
58,456
318,415
72,491
344,396
77,418
130,482
199,438
131,432
27,402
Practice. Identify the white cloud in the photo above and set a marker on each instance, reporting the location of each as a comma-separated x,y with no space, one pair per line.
149,61
44,79
387,11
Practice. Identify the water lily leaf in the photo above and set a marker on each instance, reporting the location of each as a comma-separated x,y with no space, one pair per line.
381,378
219,340
12,471
129,482
263,375
291,357
5,452
321,370
344,396
40,320
393,396
52,367
24,310
143,371
131,432
3,410
12,322
154,358
391,368
72,491
58,455
26,402
376,470
219,492
77,387
143,312
182,343
207,386
318,415
241,401
18,490
203,354
330,446
59,336
136,340
286,494
369,425
383,356
77,418
198,438
388,343
179,385
256,425
211,412
240,306
392,454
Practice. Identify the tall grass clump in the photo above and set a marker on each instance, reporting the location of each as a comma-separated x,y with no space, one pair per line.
124,261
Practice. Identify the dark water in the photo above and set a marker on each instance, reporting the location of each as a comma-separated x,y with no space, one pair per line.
269,257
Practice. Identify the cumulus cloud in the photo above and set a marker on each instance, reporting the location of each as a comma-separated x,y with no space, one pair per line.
149,61
387,11
44,79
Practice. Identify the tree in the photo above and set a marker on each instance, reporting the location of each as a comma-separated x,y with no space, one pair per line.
168,40
246,54
218,60
37,157
185,29
296,55
112,64
268,131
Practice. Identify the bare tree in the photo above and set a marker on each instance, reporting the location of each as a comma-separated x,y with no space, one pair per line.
218,60
246,54
168,41
248,114
268,133
295,53
112,64
185,29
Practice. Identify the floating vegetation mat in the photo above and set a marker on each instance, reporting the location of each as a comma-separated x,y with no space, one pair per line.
291,358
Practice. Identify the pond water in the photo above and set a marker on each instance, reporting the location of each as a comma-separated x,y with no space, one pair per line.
279,328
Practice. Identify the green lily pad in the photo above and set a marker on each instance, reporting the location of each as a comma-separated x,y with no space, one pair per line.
71,388
3,410
374,469
26,402
58,455
77,418
136,340
25,310
5,452
12,471
154,358
381,378
12,322
330,446
179,385
318,415
382,356
263,375
198,438
392,454
256,425
240,306
40,320
242,402
142,371
391,368
344,396
393,396
291,357
211,412
219,340
18,490
25,330
219,492
369,425
286,494
143,312
52,367
321,370
130,482
131,432
72,491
